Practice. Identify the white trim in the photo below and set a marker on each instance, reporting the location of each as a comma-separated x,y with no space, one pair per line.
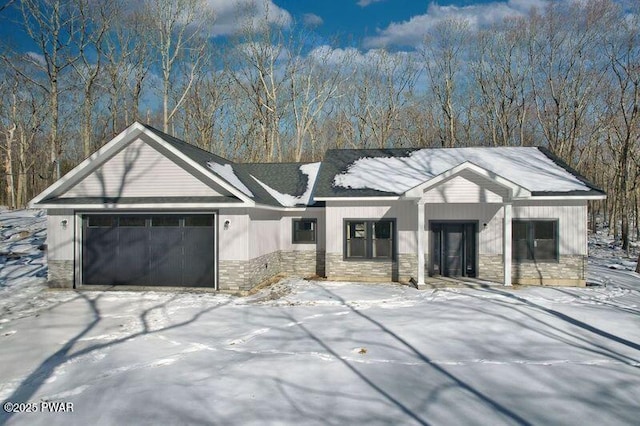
506,242
563,198
421,242
130,132
513,187
127,136
150,206
390,198
77,252
207,172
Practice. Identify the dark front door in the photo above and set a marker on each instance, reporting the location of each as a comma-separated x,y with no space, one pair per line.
154,250
453,249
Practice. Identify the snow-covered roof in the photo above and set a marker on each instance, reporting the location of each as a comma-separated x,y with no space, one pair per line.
289,200
225,171
525,166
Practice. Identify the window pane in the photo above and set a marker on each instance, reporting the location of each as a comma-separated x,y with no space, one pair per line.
522,250
545,250
382,230
356,248
132,221
544,230
165,221
382,248
304,230
357,229
101,221
200,220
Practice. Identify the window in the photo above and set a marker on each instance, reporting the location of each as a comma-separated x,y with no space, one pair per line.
101,221
304,231
165,221
199,221
133,221
535,240
367,239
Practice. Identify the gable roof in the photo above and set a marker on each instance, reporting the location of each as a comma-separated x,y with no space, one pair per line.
343,173
393,172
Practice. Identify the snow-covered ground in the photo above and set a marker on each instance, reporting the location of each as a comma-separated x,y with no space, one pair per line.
305,352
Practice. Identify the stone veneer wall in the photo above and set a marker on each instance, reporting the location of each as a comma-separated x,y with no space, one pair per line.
60,273
238,275
569,270
371,270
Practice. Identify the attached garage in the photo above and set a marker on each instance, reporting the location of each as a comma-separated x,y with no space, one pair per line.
176,250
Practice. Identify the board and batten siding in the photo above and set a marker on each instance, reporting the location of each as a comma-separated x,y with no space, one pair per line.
286,230
405,213
572,222
571,216
264,232
233,242
466,187
139,170
60,237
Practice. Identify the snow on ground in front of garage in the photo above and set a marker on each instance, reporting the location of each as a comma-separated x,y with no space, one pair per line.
320,352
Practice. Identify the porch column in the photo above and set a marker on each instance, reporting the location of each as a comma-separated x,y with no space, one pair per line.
420,243
506,243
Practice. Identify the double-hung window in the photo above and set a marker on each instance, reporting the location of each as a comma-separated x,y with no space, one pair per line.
535,240
304,231
369,239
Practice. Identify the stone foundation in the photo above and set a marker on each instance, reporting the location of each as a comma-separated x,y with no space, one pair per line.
402,269
569,270
239,275
60,274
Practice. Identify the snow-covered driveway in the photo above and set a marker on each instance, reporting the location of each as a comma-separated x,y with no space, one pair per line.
329,353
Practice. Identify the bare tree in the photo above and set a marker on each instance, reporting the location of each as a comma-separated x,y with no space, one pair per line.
443,54
56,27
176,38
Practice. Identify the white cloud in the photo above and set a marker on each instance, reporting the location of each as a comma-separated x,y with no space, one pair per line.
365,3
36,58
312,20
231,15
412,32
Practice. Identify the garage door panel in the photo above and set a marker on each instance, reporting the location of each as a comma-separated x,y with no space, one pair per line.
198,256
166,256
100,268
133,256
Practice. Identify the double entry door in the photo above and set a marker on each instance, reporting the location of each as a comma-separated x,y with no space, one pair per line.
453,249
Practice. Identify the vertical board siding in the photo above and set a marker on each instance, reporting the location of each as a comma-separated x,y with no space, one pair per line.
60,239
466,188
405,213
572,224
233,243
489,237
139,170
286,230
264,233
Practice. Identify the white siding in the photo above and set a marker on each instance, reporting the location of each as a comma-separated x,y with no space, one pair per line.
264,232
405,213
490,236
572,222
286,230
139,170
465,188
233,243
60,238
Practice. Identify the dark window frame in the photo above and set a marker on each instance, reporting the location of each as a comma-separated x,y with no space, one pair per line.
532,241
369,240
295,239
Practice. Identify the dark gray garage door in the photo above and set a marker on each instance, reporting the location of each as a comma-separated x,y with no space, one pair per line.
156,250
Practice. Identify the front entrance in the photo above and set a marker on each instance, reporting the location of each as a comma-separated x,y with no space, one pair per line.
453,249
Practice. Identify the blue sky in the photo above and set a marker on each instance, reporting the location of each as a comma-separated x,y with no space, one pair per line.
394,24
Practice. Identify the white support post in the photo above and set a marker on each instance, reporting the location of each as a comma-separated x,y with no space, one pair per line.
506,243
420,243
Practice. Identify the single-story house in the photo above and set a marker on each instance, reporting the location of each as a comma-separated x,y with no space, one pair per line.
149,209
